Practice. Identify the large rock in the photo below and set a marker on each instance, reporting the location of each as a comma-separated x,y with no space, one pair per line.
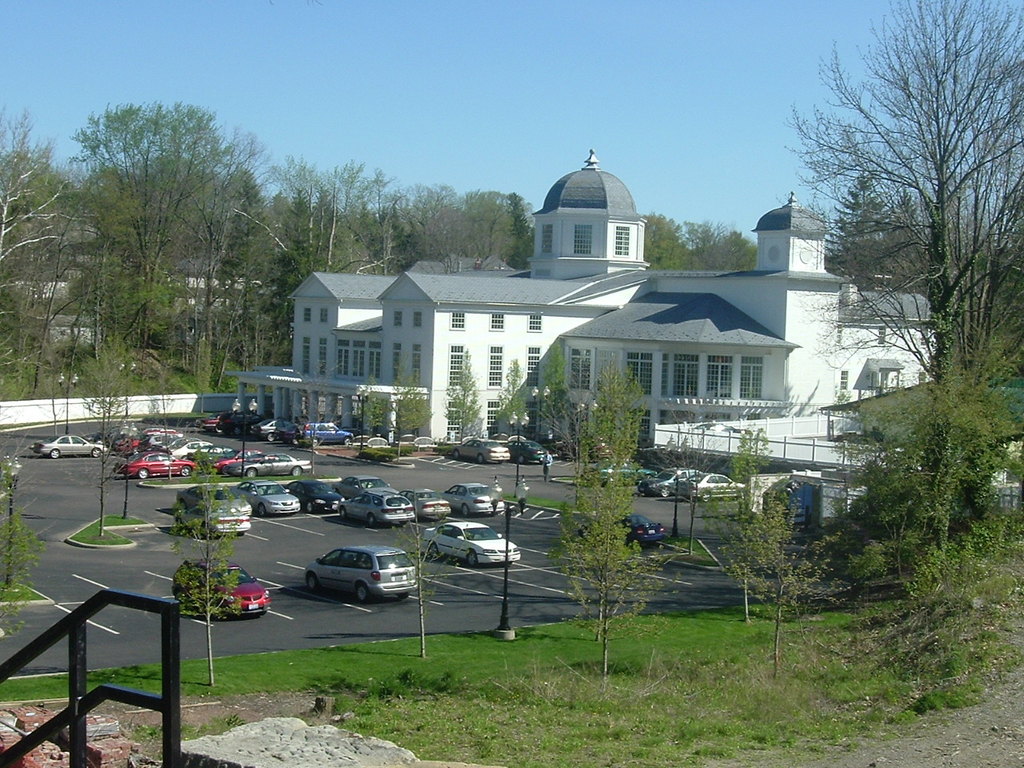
287,742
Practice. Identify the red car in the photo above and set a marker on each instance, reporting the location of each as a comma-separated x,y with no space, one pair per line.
156,465
249,596
220,464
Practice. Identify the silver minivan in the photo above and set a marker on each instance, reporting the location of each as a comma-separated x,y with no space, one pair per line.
371,571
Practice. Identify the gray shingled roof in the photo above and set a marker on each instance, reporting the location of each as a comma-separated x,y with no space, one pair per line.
791,216
698,318
346,285
370,324
593,189
488,288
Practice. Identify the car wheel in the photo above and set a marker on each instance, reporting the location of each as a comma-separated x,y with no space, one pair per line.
457,455
250,472
296,471
664,493
520,459
362,592
143,473
343,513
465,510
312,582
272,437
54,453
479,458
471,559
186,471
371,520
261,510
433,552
95,453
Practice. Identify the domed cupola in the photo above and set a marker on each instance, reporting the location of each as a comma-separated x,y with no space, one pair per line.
590,188
791,238
587,226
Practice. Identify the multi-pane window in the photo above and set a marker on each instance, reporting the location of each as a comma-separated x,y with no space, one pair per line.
458,321
719,376
606,358
535,324
492,415
323,314
397,318
622,241
417,319
547,238
844,381
532,366
645,424
751,376
497,321
583,239
359,358
307,314
679,375
373,361
496,367
341,364
580,364
456,360
321,357
305,354
396,360
417,361
641,366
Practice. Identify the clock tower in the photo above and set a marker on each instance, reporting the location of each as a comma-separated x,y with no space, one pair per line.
791,238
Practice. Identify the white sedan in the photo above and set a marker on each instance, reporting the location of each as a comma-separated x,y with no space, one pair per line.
67,445
473,542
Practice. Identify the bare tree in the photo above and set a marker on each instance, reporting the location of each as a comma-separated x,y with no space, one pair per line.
937,130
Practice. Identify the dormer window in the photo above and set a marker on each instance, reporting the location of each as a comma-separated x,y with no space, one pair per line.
622,241
583,239
547,238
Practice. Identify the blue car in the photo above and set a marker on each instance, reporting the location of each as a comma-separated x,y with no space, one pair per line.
326,433
643,530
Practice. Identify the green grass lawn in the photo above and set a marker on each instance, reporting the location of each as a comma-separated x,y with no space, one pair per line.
683,687
91,533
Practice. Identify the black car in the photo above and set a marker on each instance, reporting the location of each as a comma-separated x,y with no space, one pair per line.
314,496
643,530
526,451
665,483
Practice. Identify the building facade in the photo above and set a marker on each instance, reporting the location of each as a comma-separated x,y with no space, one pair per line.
783,339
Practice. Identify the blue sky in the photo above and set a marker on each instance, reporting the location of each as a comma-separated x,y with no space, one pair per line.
687,102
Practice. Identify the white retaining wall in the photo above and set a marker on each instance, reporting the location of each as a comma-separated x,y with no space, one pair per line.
58,410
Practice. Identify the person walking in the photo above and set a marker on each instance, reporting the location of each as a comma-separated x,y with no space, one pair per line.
546,463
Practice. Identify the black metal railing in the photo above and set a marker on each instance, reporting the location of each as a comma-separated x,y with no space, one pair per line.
81,701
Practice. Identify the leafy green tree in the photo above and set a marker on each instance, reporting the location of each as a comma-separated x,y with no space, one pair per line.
19,551
716,247
555,406
512,398
520,245
462,404
608,576
412,408
663,243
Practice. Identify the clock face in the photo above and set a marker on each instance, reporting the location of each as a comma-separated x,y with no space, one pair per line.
806,257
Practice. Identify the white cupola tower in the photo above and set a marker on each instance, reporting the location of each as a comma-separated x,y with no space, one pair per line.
791,238
587,226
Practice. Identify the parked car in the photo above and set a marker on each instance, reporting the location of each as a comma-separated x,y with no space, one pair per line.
214,453
372,571
354,485
272,429
526,451
267,497
643,530
269,464
625,474
709,486
241,590
235,457
378,506
664,483
185,448
315,496
480,450
473,498
68,445
427,503
156,465
475,543
229,512
326,433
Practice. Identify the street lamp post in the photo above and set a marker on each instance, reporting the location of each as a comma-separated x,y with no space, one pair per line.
67,383
540,395
675,509
243,420
504,629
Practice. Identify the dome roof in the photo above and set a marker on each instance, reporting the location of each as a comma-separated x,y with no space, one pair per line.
791,216
593,189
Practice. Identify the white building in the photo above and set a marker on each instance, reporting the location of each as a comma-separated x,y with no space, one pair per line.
780,340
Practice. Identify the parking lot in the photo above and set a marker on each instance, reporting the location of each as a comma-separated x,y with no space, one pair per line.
58,497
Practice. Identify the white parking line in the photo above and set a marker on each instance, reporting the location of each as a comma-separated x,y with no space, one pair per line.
90,581
293,527
158,575
282,615
252,535
88,621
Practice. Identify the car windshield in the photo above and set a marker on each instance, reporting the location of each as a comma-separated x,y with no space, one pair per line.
318,488
394,560
396,501
243,576
480,534
477,490
225,493
373,482
270,489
